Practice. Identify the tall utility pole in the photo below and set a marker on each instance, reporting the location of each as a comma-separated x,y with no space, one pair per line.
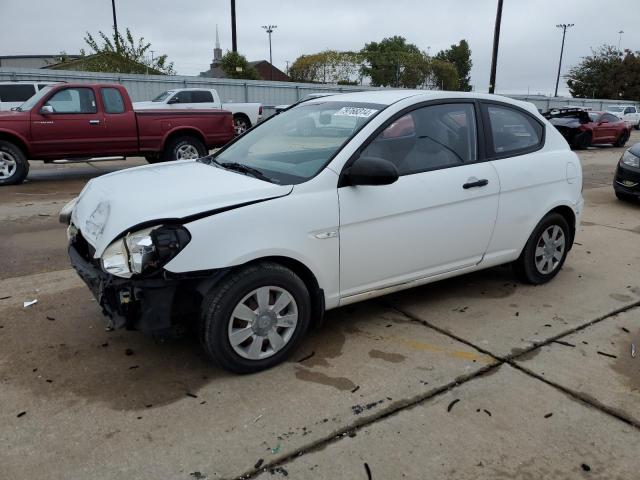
269,29
496,41
620,38
115,24
234,42
564,27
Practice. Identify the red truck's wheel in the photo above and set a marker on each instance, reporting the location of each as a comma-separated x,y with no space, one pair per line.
14,166
184,148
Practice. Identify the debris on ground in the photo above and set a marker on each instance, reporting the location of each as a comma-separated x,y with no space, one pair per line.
585,467
452,404
368,470
128,352
604,354
192,395
633,350
548,415
487,412
257,418
355,389
198,476
21,414
133,367
276,449
358,409
259,463
28,303
280,470
623,328
307,357
4,298
51,319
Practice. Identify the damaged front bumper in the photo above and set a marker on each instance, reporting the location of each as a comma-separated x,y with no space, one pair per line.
140,304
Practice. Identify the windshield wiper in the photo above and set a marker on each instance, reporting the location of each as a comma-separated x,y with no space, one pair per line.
241,168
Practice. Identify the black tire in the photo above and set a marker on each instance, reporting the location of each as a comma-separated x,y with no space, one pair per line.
525,267
14,165
153,158
637,127
582,140
241,124
184,142
622,139
220,303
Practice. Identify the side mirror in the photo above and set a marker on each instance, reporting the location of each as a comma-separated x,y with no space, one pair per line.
371,171
46,110
174,100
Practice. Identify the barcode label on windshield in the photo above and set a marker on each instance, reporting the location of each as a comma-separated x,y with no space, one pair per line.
356,112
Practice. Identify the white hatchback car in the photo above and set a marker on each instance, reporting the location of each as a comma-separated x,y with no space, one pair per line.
334,201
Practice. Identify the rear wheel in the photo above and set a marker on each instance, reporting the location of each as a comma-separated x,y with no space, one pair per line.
241,124
582,140
183,148
14,165
622,139
545,251
255,318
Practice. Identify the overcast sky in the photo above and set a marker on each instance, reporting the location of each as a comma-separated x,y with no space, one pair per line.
185,30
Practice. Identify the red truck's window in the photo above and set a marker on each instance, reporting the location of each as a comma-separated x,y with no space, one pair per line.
73,100
112,100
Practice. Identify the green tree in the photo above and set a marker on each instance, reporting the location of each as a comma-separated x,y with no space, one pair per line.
394,62
460,56
329,66
442,75
236,65
121,54
607,73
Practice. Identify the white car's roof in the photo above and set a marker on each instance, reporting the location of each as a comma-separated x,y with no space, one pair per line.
387,97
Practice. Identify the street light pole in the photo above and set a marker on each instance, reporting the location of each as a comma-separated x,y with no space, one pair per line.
269,29
234,42
564,27
496,41
620,38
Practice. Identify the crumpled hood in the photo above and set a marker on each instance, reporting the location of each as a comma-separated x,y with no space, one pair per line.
113,203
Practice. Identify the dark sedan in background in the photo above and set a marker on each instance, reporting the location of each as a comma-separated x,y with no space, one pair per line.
582,129
627,180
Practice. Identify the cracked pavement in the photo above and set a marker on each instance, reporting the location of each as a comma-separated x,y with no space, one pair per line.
472,377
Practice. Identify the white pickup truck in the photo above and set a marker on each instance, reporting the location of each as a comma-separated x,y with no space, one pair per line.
628,113
245,115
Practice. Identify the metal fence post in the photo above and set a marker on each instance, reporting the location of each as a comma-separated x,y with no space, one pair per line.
246,92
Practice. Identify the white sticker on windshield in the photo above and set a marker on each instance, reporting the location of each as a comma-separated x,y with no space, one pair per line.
355,112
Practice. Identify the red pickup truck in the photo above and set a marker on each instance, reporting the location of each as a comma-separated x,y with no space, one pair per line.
85,121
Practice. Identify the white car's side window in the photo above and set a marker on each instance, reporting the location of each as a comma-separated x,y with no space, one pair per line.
428,138
512,130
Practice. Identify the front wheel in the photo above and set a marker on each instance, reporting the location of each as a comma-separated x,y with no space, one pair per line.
255,318
622,139
184,148
545,251
582,141
14,165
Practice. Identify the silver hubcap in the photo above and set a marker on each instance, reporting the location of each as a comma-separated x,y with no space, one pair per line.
263,322
8,165
187,152
240,126
550,249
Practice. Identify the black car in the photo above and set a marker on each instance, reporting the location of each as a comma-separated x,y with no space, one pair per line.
627,180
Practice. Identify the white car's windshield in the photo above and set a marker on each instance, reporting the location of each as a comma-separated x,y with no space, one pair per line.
162,96
295,145
29,104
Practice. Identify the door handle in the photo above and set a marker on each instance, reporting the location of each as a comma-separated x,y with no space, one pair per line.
94,122
475,183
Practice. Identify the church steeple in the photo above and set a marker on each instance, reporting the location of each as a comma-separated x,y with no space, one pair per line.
217,51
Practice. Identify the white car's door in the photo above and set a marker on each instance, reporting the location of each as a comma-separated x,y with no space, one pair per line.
438,216
631,116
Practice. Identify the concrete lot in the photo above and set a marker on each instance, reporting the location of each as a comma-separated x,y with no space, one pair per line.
474,377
